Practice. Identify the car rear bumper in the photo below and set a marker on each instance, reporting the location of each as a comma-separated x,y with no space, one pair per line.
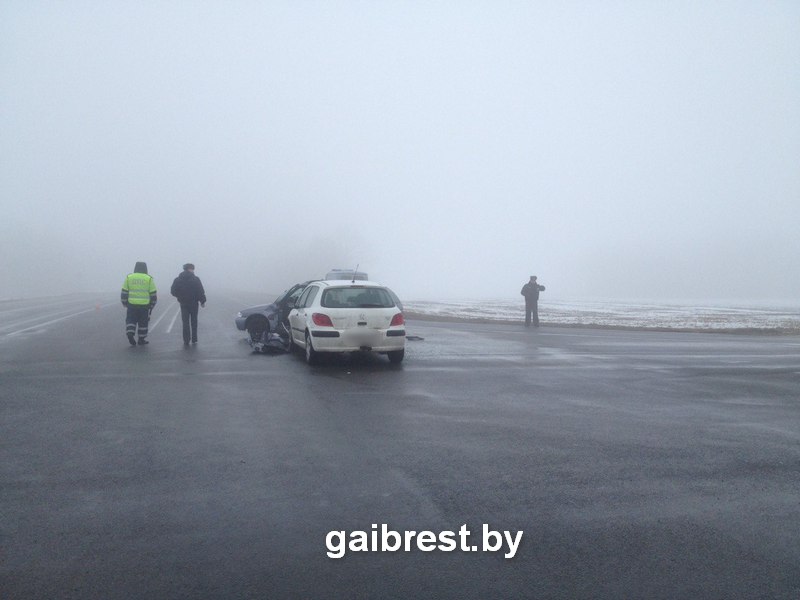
380,340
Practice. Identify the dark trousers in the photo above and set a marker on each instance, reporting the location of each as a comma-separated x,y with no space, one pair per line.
531,312
189,318
138,316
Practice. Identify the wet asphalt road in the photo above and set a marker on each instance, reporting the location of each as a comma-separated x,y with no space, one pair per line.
638,465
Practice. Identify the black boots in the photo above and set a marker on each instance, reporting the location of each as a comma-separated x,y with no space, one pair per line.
132,340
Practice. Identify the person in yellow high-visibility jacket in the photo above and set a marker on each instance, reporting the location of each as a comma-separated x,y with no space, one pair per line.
139,297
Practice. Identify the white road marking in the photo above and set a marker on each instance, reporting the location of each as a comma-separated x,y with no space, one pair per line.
46,323
33,307
34,319
171,323
159,319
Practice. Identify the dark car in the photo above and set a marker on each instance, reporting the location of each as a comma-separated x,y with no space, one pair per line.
264,318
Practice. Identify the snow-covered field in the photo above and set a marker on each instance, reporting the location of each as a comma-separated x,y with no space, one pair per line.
701,316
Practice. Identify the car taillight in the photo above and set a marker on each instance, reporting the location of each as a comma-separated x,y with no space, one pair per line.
321,320
397,320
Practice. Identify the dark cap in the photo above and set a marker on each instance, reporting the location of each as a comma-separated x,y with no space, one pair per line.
188,266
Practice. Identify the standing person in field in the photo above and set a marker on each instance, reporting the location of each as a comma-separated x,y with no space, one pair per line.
531,292
188,289
139,297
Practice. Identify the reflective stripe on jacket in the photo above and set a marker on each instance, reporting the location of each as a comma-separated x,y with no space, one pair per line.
139,289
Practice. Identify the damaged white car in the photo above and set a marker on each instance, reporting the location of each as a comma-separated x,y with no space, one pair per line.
347,316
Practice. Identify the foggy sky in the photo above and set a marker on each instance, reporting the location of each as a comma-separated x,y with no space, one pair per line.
615,149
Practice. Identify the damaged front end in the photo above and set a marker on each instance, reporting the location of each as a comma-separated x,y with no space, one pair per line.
272,342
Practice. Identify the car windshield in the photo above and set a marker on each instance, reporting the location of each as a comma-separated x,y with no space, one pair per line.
282,298
290,295
356,297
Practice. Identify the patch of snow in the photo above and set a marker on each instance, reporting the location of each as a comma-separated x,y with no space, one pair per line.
620,314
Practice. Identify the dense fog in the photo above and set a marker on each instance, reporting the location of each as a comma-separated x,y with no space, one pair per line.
451,149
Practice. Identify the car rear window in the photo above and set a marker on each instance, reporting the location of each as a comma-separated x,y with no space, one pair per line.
356,297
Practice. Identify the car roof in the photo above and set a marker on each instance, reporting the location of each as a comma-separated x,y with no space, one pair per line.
347,274
348,283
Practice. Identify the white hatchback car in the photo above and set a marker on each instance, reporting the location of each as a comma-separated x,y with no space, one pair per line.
347,316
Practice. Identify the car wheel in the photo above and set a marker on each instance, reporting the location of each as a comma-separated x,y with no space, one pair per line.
311,354
257,326
396,356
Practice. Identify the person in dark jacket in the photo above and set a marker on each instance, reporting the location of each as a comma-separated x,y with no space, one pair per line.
188,289
531,292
